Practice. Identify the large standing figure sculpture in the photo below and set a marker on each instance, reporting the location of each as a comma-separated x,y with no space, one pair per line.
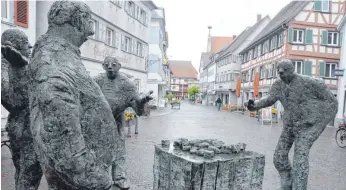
121,93
72,123
309,107
15,98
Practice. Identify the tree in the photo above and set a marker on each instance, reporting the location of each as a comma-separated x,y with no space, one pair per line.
169,96
193,90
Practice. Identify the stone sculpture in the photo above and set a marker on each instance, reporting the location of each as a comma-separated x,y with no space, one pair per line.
72,124
15,98
206,164
309,107
120,93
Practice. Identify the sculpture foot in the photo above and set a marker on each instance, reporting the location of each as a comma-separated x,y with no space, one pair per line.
123,185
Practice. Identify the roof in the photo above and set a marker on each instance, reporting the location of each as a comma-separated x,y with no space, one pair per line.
182,69
205,58
240,39
283,17
218,42
150,4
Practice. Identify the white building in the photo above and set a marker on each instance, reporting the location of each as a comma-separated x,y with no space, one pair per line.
228,65
158,70
26,21
121,30
342,65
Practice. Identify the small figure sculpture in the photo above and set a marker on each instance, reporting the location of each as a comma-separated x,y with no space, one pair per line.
309,107
15,98
72,124
121,93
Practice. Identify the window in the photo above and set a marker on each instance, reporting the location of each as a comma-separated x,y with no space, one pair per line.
109,37
4,10
262,72
117,39
325,5
280,39
270,70
93,24
102,32
259,50
298,65
249,55
330,70
139,49
273,43
173,80
131,8
265,47
255,52
185,80
126,44
333,38
117,3
298,36
143,16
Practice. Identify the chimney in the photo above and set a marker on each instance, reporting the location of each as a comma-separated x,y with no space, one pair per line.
234,36
259,17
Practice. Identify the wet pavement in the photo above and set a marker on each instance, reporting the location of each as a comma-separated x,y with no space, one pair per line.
327,161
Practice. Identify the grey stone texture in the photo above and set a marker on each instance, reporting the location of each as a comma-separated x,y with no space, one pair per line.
120,93
74,131
309,107
176,169
15,98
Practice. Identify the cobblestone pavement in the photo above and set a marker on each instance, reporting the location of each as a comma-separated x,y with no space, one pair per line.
327,161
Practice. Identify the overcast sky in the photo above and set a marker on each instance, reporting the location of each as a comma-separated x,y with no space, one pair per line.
187,22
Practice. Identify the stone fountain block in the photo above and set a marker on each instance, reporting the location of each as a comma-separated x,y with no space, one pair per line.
176,169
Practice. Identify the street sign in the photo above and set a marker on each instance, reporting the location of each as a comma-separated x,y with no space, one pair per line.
339,72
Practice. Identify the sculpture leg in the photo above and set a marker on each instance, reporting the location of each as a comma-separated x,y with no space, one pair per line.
30,173
119,169
306,136
129,128
136,125
281,161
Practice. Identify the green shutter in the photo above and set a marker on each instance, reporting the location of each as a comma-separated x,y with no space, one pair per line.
318,5
322,69
341,35
307,68
308,36
290,35
324,37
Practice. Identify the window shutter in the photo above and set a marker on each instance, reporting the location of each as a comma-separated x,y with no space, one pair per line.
123,43
113,38
275,42
308,68
324,37
318,5
146,18
308,36
21,13
290,35
322,69
341,35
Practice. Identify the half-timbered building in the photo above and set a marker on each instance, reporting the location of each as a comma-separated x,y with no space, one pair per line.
304,32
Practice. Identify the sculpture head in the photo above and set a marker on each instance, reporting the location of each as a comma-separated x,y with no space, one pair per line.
112,66
285,70
71,20
18,39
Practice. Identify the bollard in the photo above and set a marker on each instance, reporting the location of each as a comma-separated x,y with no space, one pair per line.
129,128
136,125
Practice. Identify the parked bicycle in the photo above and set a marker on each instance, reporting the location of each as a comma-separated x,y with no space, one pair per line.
340,136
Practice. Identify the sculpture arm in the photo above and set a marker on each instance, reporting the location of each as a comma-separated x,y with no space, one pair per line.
63,142
5,87
270,99
325,95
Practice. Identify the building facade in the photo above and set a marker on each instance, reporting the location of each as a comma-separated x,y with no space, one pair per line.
304,32
342,79
184,75
22,16
227,63
122,30
158,70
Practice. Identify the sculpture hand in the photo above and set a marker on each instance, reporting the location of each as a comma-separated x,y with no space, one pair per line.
250,105
12,55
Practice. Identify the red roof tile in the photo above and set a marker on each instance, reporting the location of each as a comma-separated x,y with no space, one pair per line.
217,43
182,69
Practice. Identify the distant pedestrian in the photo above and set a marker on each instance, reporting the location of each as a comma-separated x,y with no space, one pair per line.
218,103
